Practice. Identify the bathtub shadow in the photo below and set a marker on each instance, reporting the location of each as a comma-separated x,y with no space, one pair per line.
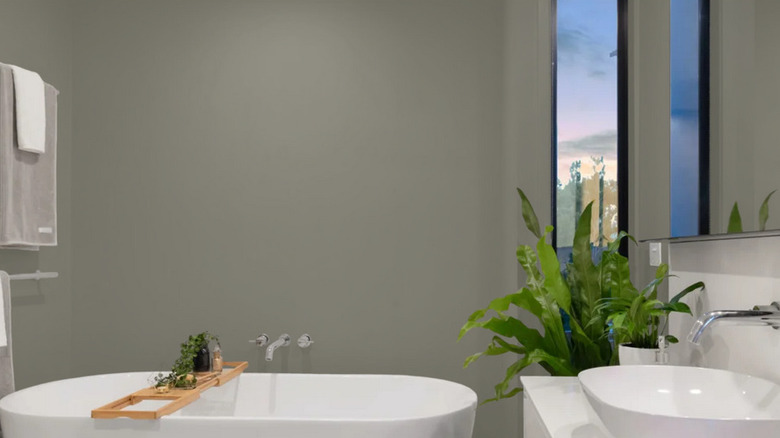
127,424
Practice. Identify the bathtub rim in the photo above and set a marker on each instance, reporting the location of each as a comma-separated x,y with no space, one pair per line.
471,405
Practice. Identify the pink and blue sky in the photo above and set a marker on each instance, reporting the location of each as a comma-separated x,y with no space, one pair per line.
587,85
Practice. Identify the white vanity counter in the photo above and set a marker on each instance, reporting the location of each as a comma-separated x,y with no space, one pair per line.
555,407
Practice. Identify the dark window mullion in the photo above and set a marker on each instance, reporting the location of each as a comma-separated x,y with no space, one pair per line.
554,119
704,116
622,121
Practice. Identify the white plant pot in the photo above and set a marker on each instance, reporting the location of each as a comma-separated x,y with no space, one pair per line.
637,356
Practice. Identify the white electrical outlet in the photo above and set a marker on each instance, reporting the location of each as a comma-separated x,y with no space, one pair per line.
655,253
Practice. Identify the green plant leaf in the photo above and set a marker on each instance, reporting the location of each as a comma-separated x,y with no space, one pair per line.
538,302
661,274
636,308
588,353
686,291
588,278
618,320
527,259
616,276
561,368
549,311
615,244
551,268
735,220
497,347
763,212
676,307
651,304
511,393
525,299
509,347
477,315
476,356
510,327
553,325
531,221
511,372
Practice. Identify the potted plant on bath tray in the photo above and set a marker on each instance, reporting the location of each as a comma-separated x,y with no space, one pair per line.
194,360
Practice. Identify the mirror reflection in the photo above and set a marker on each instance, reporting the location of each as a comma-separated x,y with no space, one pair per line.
745,65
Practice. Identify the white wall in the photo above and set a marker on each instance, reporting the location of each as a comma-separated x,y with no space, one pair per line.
739,274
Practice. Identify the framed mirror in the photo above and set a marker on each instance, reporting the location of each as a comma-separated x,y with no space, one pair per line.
744,92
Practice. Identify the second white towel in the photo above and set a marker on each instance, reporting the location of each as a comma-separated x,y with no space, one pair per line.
3,335
30,110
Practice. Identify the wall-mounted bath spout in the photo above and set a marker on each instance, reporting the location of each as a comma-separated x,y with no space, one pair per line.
760,315
283,341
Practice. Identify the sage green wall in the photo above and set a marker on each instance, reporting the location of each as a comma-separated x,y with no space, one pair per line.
527,127
37,34
344,168
330,167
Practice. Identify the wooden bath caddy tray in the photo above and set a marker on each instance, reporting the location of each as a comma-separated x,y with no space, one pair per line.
179,398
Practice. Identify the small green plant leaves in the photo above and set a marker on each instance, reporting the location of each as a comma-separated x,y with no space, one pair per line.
184,365
686,291
735,220
531,221
763,212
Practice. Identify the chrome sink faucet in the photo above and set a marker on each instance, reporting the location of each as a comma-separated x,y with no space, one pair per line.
760,315
283,341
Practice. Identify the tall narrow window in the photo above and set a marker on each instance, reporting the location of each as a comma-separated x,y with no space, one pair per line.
586,120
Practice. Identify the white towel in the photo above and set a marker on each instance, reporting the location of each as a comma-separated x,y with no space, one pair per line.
7,384
28,182
3,335
30,110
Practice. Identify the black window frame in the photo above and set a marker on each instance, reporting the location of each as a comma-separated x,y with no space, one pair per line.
704,117
622,118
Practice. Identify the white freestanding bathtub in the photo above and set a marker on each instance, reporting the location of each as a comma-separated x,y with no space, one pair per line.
252,405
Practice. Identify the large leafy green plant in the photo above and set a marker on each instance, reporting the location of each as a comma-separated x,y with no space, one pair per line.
579,309
574,334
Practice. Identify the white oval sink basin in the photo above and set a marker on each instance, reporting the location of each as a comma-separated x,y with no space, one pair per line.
672,401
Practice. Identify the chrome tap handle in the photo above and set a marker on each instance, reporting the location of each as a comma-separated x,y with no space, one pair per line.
772,307
260,341
305,341
285,338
